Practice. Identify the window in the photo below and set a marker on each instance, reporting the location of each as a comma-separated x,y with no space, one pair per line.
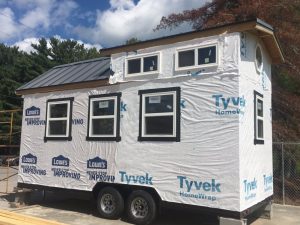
142,64
160,114
258,118
104,117
258,59
196,57
59,119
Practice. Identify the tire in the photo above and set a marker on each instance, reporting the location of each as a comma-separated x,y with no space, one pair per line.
110,203
141,208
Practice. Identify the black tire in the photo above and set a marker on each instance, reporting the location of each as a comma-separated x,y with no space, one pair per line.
141,208
110,203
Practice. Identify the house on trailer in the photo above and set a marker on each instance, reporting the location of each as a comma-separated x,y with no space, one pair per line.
183,119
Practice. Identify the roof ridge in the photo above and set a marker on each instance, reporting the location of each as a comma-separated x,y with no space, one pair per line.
82,62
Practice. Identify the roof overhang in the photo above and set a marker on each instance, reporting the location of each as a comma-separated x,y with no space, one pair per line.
64,87
257,26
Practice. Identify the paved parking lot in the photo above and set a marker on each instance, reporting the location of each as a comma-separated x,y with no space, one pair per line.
78,212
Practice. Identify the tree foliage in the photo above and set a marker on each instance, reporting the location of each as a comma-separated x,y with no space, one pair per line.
284,16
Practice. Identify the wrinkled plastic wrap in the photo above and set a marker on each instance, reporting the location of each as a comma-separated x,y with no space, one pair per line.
206,168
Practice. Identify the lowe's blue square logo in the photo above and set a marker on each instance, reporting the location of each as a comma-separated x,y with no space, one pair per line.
97,163
60,161
29,158
32,111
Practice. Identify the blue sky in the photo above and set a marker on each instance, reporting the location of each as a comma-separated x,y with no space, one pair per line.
99,23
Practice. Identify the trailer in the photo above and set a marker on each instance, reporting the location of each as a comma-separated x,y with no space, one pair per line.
184,120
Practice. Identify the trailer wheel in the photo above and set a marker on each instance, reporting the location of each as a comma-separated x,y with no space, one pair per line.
141,207
110,203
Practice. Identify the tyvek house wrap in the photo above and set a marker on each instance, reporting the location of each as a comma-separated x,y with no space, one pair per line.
202,169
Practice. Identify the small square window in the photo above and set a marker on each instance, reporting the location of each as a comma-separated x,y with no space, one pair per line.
104,117
134,66
150,63
207,55
258,119
186,58
160,114
59,119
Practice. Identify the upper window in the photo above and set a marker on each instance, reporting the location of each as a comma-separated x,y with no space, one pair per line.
142,64
59,119
259,118
104,117
196,57
258,58
160,114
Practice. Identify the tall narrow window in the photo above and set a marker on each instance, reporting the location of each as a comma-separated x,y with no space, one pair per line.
258,118
104,117
160,114
59,119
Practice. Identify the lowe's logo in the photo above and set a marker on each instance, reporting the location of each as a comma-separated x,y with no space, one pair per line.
250,188
32,111
97,163
29,158
133,179
229,105
60,161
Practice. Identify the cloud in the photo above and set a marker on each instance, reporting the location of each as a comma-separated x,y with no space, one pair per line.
25,45
125,19
36,17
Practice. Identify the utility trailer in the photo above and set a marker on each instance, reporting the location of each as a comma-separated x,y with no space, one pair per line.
184,119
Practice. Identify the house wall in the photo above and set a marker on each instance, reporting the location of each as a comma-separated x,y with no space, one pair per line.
256,174
207,154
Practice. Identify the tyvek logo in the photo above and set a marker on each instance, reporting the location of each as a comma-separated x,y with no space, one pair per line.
32,111
136,179
97,163
60,161
189,187
29,158
250,188
229,105
268,182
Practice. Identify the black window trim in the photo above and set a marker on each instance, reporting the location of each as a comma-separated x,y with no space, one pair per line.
178,113
117,138
69,137
256,141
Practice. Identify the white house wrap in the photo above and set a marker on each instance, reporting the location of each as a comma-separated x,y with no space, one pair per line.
219,154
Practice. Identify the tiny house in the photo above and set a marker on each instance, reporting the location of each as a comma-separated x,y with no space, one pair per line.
184,119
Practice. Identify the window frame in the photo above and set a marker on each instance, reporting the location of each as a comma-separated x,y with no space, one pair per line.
258,96
259,69
142,56
116,134
196,65
175,137
68,135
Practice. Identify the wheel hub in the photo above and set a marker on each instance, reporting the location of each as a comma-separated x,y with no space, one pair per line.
139,208
108,203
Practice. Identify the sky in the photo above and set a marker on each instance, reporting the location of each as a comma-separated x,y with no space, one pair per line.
96,23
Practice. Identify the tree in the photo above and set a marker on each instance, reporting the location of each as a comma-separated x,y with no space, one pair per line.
132,41
284,16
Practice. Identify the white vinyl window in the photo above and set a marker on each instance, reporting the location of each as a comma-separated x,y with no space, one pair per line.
259,118
58,119
195,57
142,64
104,117
160,116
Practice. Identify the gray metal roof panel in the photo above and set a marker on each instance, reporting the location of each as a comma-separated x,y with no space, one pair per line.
88,70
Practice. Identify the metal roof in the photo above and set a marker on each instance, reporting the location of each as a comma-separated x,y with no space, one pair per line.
88,70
